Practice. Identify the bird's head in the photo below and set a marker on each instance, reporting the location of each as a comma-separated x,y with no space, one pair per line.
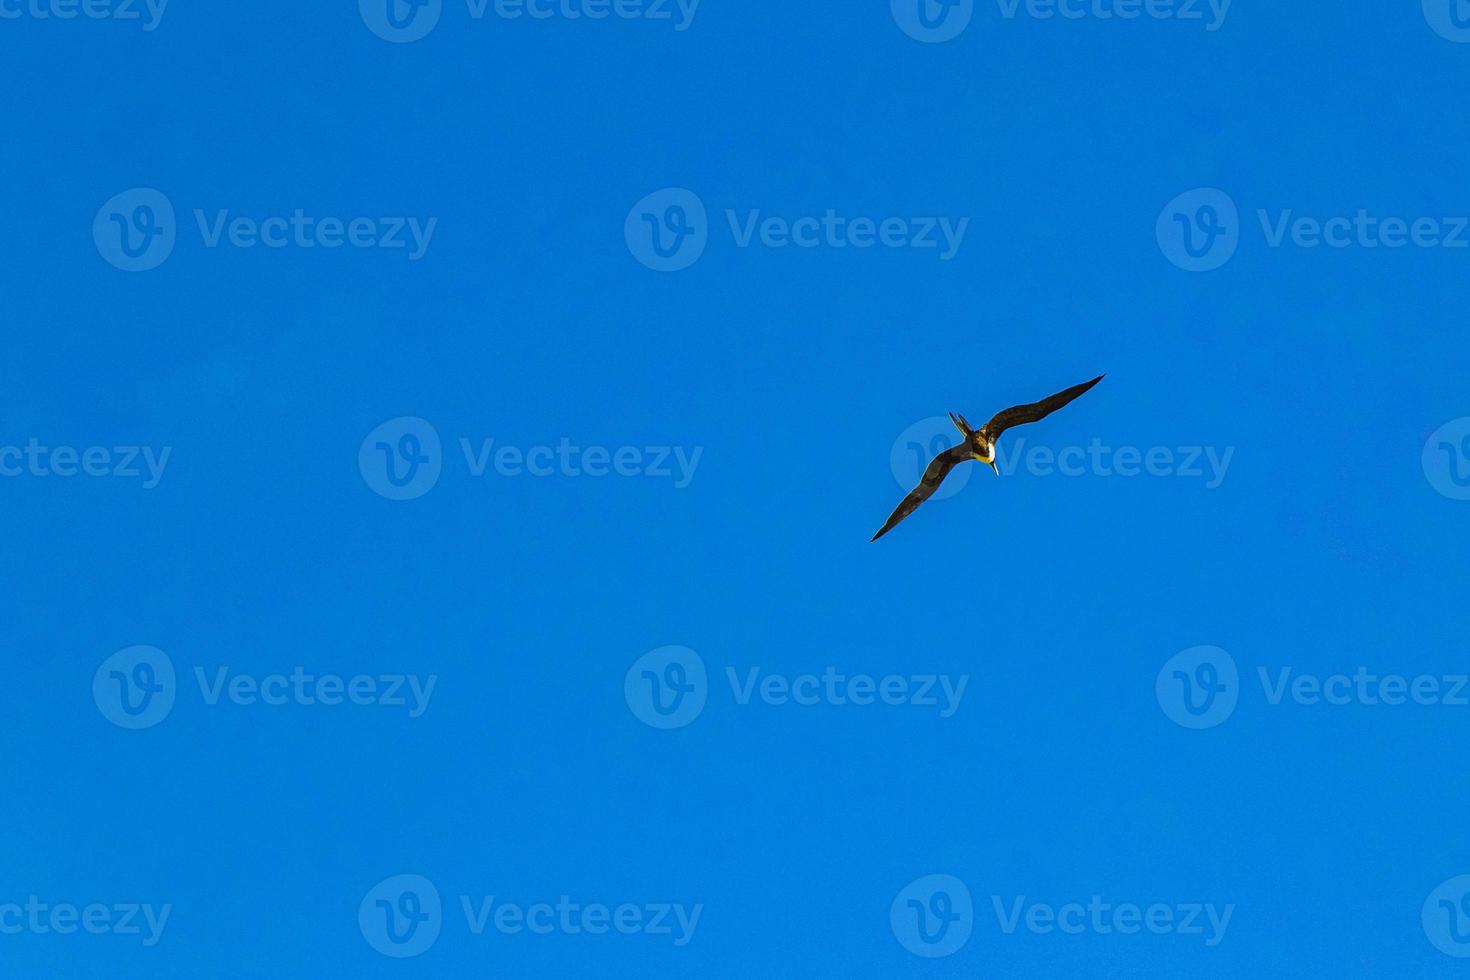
984,450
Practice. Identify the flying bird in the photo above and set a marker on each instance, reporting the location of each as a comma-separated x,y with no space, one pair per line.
979,444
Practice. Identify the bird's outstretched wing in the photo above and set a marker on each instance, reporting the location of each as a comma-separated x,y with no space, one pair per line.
1022,414
938,469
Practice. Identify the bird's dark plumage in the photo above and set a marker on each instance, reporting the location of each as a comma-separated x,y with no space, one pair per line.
1035,412
979,444
939,468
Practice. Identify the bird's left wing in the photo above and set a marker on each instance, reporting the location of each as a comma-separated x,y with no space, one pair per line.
939,468
1022,414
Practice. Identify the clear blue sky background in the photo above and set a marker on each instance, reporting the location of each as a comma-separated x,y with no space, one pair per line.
528,321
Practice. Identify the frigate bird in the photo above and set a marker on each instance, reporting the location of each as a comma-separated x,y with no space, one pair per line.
979,444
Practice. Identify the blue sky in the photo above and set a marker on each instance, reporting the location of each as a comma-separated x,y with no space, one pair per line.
418,569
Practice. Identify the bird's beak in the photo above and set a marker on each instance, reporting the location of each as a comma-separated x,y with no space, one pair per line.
992,466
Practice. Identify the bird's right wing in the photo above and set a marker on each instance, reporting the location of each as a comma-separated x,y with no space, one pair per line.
938,469
1022,414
